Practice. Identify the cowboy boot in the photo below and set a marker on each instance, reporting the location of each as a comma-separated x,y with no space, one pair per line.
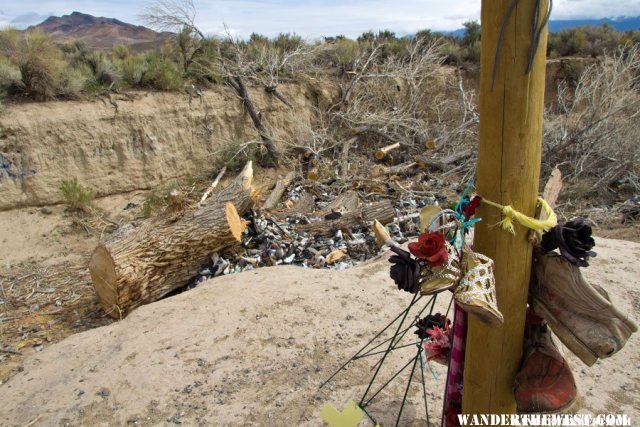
544,383
580,314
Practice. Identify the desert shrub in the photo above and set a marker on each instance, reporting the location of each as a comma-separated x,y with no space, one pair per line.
235,154
120,52
585,41
75,195
73,82
9,75
76,53
39,61
151,202
452,52
287,42
103,71
162,73
593,135
132,69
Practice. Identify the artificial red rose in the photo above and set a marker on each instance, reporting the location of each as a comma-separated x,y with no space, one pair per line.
430,247
470,209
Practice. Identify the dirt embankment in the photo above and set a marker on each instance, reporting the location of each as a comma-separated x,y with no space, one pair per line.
152,138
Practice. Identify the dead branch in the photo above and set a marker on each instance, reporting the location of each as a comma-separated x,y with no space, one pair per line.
277,192
212,187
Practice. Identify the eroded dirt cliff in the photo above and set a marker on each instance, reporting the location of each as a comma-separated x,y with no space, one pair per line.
151,138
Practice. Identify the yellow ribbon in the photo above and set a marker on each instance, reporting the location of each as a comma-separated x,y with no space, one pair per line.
510,215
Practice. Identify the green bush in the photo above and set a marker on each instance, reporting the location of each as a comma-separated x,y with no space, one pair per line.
151,202
9,74
73,82
132,69
162,73
77,196
39,61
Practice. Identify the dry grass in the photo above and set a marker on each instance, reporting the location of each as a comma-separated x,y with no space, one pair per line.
592,136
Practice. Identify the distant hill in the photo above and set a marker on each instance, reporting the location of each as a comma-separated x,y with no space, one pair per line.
101,33
624,23
619,24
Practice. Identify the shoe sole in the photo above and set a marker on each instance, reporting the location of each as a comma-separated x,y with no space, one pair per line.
562,409
567,337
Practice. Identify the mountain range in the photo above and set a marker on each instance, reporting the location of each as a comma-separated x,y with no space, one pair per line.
100,33
104,33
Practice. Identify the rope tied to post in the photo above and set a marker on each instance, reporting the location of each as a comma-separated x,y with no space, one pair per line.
510,215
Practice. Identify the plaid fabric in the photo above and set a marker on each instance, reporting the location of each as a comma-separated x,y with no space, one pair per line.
453,399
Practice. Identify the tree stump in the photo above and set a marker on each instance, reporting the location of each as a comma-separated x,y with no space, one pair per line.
158,257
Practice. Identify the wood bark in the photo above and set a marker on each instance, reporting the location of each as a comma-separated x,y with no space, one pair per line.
150,261
381,211
509,153
443,163
238,85
273,90
409,168
277,192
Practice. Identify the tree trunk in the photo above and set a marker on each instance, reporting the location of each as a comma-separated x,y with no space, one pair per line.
158,257
381,211
240,87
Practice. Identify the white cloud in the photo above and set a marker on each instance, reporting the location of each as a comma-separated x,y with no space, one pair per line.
313,18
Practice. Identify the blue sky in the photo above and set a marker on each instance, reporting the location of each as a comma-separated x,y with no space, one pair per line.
309,18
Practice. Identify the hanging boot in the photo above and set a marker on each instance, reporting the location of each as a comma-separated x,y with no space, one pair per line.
544,383
580,314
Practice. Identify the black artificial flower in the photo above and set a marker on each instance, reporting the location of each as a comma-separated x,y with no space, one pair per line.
405,271
428,322
573,239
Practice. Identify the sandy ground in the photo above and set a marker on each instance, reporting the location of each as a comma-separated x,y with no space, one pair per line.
253,348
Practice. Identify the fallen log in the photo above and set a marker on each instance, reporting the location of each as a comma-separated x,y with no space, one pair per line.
150,261
382,211
277,192
443,163
237,83
381,153
409,168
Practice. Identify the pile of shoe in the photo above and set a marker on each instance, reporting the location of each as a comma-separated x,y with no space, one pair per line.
581,314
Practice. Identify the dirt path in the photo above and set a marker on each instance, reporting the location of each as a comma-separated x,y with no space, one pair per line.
252,349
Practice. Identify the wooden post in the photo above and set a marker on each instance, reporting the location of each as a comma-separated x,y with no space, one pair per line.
511,117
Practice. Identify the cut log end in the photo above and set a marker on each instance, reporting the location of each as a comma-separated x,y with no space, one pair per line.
236,224
312,174
103,275
381,233
381,153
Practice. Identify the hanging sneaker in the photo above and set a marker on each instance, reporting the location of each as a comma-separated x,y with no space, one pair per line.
544,383
580,314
